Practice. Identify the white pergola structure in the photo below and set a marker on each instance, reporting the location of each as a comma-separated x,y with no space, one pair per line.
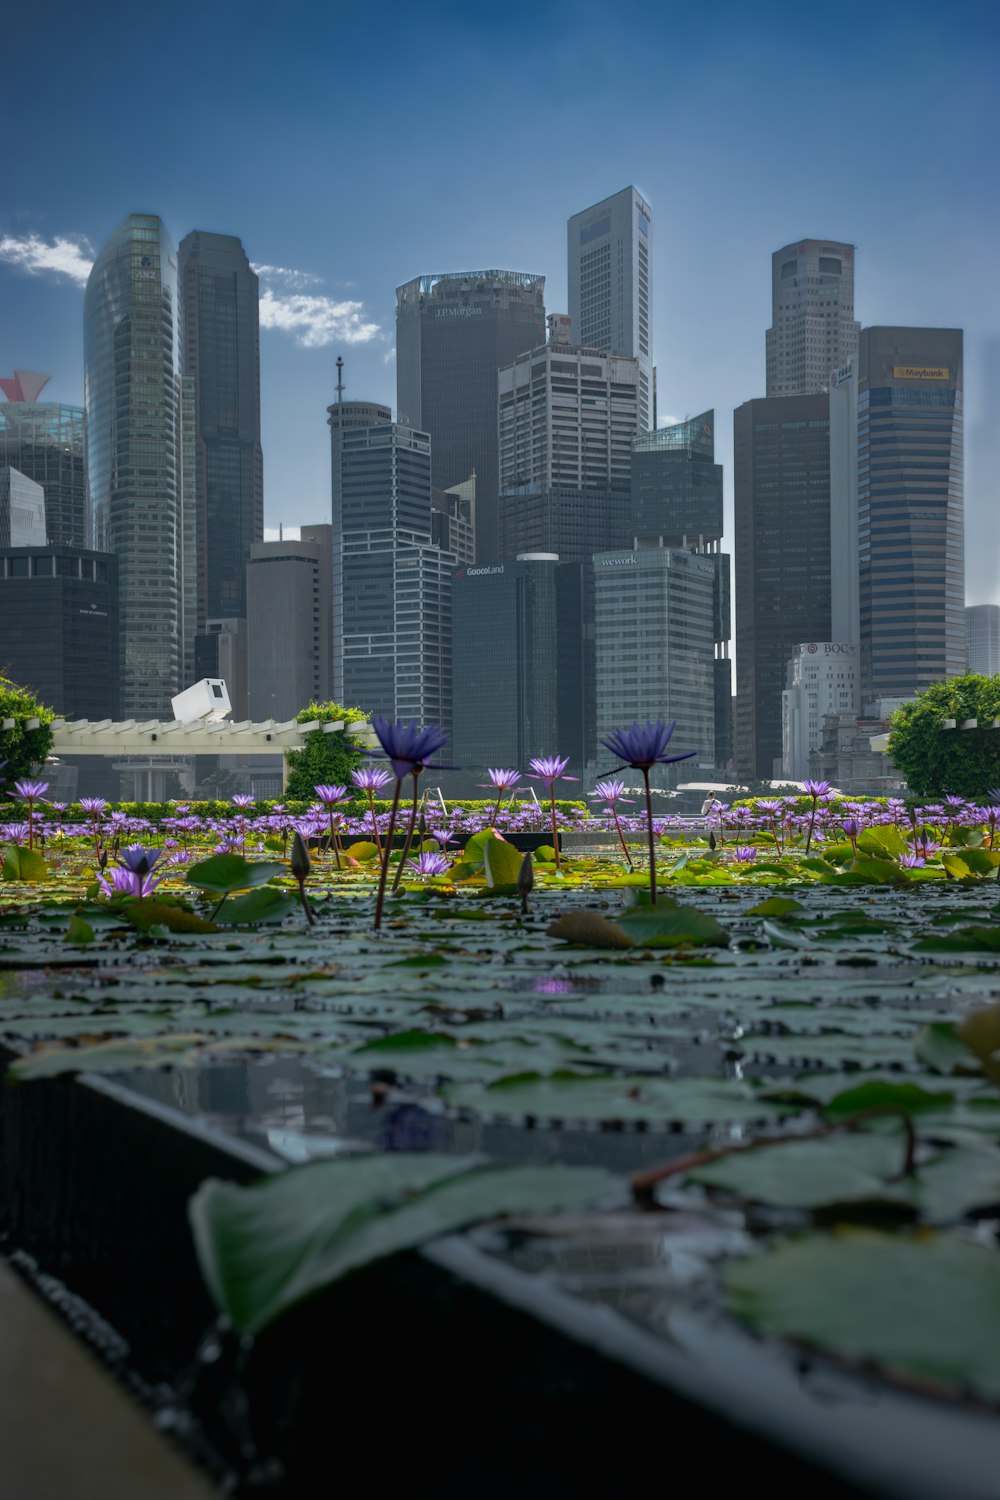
153,739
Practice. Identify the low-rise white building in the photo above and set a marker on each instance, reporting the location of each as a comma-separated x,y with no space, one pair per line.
822,679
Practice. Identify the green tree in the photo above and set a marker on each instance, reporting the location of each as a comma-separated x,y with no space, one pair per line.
325,758
22,749
936,761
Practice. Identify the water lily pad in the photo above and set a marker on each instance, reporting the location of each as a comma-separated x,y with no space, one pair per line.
649,1099
264,1248
926,1305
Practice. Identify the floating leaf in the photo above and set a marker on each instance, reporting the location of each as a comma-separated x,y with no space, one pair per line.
938,1046
146,914
651,1099
848,1167
363,852
774,906
672,926
264,1248
224,873
926,1306
589,929
501,863
266,904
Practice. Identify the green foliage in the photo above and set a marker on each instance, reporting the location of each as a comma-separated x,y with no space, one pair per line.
23,749
935,760
325,758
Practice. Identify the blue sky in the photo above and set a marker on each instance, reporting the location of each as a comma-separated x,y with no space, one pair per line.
356,146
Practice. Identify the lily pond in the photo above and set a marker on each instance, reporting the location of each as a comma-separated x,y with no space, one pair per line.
778,1086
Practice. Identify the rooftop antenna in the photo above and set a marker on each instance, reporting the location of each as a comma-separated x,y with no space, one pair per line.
341,387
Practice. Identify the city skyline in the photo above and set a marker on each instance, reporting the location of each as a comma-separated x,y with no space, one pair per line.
782,146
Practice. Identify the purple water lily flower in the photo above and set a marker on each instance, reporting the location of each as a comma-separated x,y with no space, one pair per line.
913,861
243,799
501,782
137,859
122,882
369,779
644,745
330,796
550,769
817,790
410,750
429,863
610,792
744,853
93,804
407,747
30,791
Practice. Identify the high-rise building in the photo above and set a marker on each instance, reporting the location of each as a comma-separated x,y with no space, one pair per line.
845,598
59,631
910,510
677,502
982,638
221,352
22,510
453,333
610,254
289,624
518,662
568,418
654,638
812,316
453,520
782,515
392,585
139,507
822,681
45,441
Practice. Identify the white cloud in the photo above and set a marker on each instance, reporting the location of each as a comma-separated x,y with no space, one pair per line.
67,255
296,281
389,355
316,321
312,319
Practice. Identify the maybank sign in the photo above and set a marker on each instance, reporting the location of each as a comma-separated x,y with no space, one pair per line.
920,372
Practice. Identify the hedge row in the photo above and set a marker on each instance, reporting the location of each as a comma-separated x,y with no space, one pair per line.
155,812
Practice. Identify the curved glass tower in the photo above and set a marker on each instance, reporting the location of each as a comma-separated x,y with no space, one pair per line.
135,469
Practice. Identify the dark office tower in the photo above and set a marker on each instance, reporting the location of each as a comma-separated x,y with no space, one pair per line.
59,627
392,586
910,509
453,333
518,662
289,628
44,440
782,504
221,352
138,507
812,316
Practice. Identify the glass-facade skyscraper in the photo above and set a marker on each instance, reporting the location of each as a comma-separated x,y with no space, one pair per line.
782,515
221,352
609,266
44,440
911,533
137,502
454,332
518,663
391,585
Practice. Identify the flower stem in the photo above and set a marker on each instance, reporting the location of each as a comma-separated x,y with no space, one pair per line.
371,804
334,842
812,824
621,836
649,833
555,833
496,811
409,838
383,877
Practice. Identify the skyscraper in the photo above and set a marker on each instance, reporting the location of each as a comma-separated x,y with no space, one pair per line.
782,514
518,662
982,638
453,333
910,509
44,440
568,418
221,352
138,507
610,252
812,316
654,631
22,510
677,502
392,585
289,634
